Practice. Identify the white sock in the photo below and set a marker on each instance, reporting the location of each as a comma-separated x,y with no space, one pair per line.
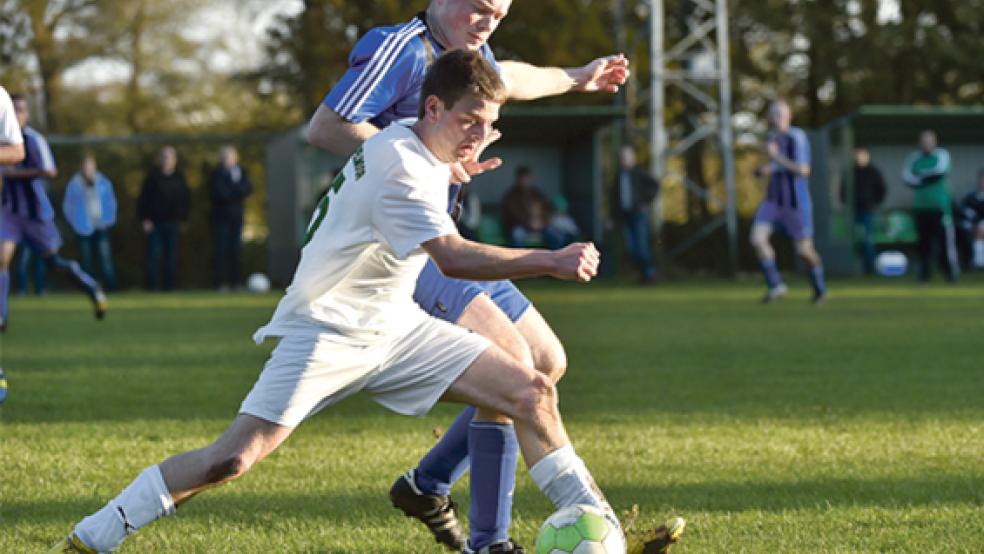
145,500
564,478
979,253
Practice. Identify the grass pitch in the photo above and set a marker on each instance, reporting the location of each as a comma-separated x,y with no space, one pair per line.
855,427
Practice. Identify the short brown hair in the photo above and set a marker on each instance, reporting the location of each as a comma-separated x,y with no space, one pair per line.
461,72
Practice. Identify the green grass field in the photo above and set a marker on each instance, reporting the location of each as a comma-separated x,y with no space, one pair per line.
856,427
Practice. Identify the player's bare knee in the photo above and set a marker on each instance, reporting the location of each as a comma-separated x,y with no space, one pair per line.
537,403
552,362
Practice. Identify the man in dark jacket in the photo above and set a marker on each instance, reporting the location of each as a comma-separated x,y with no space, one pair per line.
630,201
228,187
162,205
869,193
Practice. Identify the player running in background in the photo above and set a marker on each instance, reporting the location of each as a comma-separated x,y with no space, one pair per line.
348,322
787,205
382,85
26,213
11,152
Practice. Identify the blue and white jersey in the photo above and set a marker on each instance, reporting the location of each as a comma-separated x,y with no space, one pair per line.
386,70
28,197
788,189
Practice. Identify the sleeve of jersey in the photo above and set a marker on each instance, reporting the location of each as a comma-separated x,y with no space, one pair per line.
802,148
408,214
46,161
381,70
490,57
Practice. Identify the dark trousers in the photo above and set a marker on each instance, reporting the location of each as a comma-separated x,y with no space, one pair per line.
227,240
98,243
162,246
30,264
936,239
637,237
865,222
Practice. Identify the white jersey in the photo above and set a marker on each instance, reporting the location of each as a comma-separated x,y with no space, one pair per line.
360,265
10,131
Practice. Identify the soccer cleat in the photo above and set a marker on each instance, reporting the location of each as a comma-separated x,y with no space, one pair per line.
438,513
3,387
99,303
658,540
71,545
819,298
775,293
504,547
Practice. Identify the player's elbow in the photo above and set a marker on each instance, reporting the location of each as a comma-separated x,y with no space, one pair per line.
445,251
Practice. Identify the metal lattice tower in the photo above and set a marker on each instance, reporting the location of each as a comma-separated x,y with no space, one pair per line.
706,77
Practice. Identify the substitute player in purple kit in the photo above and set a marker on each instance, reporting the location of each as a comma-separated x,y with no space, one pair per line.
26,213
787,205
382,85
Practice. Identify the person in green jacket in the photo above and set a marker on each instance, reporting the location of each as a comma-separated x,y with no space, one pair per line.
927,171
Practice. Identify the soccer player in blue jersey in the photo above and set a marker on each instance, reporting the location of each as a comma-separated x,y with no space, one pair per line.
26,213
787,205
382,85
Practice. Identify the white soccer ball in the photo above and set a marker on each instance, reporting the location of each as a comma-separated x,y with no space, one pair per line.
891,263
258,283
579,529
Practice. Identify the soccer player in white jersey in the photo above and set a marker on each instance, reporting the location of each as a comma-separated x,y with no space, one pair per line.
348,322
11,140
382,85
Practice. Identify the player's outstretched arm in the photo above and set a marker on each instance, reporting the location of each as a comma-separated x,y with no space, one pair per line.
528,82
11,153
464,259
329,131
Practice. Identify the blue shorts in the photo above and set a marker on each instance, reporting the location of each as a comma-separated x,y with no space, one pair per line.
446,298
795,222
43,235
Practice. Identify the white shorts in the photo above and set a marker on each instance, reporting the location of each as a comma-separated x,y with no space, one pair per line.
309,371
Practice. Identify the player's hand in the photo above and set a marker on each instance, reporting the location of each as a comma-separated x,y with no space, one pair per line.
604,74
772,149
577,262
462,172
148,226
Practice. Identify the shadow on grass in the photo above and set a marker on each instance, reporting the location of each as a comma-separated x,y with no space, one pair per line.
372,507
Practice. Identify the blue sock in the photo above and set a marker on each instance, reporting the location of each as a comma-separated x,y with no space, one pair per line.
448,460
772,277
4,293
73,268
816,279
494,453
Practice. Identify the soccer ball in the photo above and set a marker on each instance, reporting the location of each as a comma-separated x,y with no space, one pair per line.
579,529
258,283
891,263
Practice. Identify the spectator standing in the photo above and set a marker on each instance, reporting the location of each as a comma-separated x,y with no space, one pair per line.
228,186
927,171
869,193
162,205
90,209
631,201
972,216
525,210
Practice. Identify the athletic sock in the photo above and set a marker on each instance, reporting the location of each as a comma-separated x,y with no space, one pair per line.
494,451
145,500
4,294
816,279
979,253
73,268
448,460
771,272
564,478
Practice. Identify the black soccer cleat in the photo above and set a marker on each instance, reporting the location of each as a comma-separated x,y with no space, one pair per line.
438,513
99,303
